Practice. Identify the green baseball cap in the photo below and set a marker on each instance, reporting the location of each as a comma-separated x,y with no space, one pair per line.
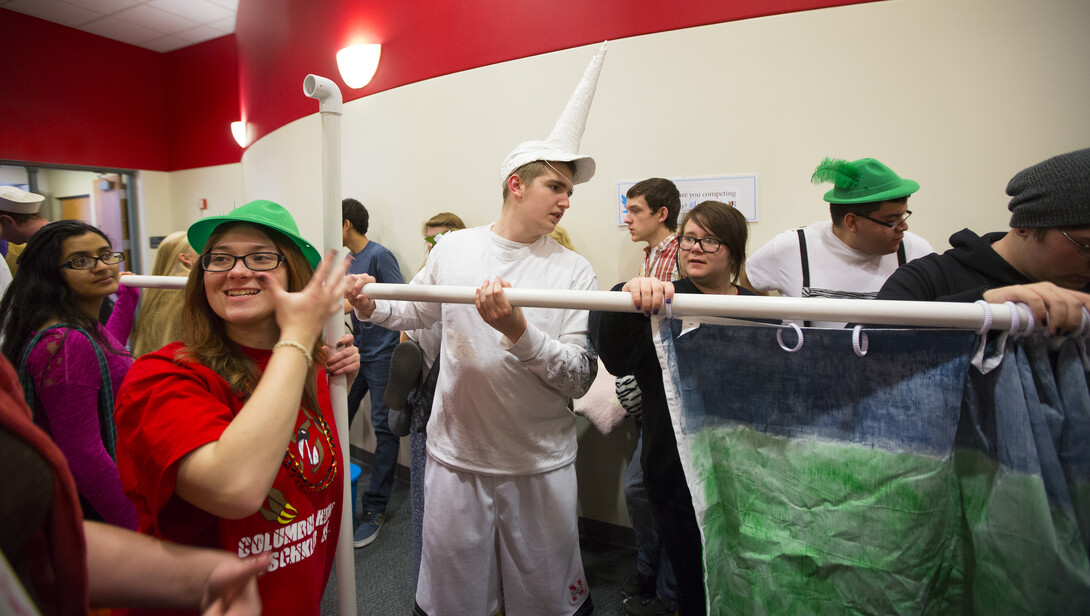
261,213
861,181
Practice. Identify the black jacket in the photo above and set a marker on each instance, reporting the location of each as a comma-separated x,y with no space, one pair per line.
961,274
625,344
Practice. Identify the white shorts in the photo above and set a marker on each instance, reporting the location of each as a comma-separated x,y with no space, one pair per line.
479,529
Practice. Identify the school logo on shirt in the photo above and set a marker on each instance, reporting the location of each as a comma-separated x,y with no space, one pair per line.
278,508
295,540
309,457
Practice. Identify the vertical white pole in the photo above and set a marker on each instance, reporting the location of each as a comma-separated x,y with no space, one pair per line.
330,103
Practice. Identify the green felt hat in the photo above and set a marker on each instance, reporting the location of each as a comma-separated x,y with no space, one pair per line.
861,181
261,213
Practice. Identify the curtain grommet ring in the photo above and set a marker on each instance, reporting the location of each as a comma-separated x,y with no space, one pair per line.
779,338
860,341
987,326
1016,320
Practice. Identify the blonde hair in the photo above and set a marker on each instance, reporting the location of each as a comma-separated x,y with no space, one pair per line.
444,219
159,320
560,234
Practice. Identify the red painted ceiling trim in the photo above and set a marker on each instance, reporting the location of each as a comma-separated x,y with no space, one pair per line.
281,41
74,98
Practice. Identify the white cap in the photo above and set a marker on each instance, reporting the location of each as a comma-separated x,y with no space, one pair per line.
17,201
562,145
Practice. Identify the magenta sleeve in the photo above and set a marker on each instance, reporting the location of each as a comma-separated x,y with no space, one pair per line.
124,313
67,385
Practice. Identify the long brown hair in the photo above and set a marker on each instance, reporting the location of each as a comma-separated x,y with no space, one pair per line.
159,321
205,335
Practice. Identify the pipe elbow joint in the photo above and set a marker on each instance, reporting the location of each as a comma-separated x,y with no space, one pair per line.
327,93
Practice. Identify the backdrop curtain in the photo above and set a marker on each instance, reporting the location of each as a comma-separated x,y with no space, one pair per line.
903,481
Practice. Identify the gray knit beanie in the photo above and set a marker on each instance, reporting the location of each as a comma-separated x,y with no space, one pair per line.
1054,193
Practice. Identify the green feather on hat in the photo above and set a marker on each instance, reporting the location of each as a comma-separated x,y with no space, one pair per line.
861,181
840,172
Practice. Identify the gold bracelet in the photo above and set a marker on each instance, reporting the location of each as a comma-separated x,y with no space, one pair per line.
295,345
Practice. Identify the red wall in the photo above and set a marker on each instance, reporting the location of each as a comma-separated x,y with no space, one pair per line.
281,41
89,100
202,101
79,99
74,98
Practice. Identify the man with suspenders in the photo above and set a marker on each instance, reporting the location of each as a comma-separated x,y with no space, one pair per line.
851,255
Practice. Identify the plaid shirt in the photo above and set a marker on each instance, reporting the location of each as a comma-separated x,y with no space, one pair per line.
661,261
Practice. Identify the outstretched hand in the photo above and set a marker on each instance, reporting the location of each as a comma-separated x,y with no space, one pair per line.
302,314
1059,308
231,588
648,294
494,308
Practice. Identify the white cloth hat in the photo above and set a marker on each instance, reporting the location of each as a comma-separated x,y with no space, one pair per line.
18,201
562,145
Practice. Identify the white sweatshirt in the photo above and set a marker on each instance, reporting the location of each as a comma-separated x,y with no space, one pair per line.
501,409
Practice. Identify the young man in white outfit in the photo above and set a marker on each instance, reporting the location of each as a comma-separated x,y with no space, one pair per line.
852,255
500,487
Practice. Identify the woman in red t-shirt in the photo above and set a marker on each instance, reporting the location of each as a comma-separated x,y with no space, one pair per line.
226,439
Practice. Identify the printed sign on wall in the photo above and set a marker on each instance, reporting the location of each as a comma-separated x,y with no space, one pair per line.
739,191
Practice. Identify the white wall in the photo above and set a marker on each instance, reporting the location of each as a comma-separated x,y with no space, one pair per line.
169,201
956,94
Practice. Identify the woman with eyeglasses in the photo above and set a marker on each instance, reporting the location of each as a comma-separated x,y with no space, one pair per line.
712,251
70,366
226,439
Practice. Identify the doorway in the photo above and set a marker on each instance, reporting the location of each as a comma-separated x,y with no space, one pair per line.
103,197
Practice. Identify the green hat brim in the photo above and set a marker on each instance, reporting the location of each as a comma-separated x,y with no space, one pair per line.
848,197
261,213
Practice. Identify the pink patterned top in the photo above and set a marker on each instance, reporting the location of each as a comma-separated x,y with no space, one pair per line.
66,378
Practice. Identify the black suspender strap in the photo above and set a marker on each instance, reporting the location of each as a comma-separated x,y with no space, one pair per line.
805,264
805,258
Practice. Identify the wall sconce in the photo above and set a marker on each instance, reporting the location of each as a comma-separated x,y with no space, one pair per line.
358,63
240,130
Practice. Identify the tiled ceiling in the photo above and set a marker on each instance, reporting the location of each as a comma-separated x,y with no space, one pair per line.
159,25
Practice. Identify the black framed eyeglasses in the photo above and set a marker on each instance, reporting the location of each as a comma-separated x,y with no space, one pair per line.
707,244
899,221
86,263
1084,250
255,261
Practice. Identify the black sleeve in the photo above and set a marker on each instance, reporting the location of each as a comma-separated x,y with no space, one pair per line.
924,280
620,338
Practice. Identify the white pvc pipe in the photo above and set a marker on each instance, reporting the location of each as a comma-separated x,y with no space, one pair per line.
153,282
925,314
922,314
329,105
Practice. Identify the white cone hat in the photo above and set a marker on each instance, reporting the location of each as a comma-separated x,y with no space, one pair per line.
562,144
